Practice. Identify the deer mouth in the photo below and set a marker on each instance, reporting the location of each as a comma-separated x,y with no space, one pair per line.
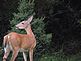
17,28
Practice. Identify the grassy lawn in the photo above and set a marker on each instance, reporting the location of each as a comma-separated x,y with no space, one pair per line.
60,57
51,57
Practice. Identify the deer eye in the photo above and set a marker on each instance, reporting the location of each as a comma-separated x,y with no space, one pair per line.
22,23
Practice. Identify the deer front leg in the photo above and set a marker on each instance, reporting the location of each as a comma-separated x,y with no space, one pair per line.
14,55
31,54
24,56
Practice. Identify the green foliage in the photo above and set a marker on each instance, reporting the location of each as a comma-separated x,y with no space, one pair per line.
25,9
43,39
26,6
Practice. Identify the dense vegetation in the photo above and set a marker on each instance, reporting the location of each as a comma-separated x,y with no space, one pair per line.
59,18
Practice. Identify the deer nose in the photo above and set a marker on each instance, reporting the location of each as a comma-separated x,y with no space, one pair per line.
16,25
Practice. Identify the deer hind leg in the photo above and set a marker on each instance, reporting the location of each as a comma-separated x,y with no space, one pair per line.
6,55
31,54
6,52
14,55
24,56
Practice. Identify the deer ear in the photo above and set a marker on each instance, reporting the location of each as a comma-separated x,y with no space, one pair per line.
30,19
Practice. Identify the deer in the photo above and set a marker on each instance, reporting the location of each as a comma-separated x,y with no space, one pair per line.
16,42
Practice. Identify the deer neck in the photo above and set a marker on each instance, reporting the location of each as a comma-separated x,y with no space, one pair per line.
29,31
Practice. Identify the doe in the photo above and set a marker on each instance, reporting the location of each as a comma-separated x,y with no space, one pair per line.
16,42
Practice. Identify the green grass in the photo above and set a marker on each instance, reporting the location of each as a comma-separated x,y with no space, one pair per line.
60,57
51,57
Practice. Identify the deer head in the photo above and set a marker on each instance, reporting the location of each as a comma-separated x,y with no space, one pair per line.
24,24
